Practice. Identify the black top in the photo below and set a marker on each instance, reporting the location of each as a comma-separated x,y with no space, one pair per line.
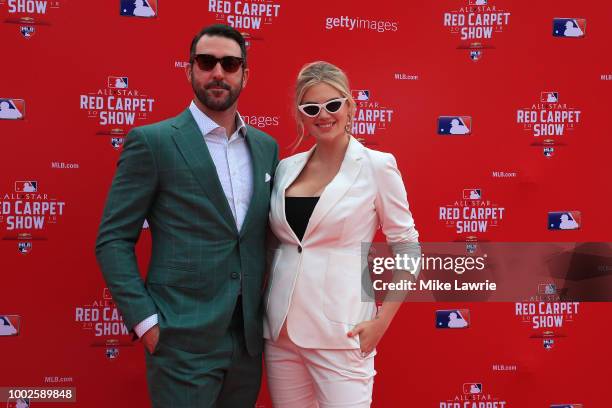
298,211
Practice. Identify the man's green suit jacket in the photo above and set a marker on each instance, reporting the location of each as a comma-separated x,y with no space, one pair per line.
199,262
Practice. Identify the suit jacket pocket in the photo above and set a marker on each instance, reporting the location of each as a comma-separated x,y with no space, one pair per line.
180,296
182,276
342,292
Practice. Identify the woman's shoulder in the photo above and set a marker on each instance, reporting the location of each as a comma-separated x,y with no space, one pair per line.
287,161
378,158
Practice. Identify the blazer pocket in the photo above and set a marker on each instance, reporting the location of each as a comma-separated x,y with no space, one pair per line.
181,266
174,275
342,291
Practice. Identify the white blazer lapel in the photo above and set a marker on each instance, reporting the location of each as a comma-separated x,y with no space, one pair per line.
335,190
293,171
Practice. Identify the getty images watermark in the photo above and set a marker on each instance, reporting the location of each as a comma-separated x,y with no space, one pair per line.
485,271
413,265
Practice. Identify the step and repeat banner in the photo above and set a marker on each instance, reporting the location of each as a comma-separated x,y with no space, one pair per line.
496,111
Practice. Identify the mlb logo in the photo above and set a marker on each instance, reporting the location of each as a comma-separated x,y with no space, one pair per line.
18,403
569,27
564,220
454,125
475,55
26,186
453,319
547,289
472,193
566,406
549,97
112,353
548,343
115,82
9,325
12,109
548,151
477,2
117,142
138,8
361,94
24,247
472,388
27,31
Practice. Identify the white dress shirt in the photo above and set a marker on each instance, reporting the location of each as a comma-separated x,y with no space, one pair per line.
233,162
232,159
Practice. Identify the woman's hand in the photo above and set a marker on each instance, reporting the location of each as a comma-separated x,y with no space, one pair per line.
370,332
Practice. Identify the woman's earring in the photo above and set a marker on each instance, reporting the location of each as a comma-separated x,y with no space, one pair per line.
348,127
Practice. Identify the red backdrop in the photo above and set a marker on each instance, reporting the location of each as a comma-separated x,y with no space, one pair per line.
61,58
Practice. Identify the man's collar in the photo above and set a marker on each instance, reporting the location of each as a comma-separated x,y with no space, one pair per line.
207,125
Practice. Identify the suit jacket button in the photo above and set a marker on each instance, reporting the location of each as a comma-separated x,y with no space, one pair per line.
235,275
300,249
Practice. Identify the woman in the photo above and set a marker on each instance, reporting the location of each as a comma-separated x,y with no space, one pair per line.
321,337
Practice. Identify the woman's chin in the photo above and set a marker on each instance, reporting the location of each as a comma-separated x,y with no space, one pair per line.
327,137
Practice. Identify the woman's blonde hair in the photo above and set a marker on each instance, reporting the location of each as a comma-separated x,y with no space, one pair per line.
316,73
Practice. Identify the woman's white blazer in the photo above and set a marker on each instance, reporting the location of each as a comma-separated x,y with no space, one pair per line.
315,284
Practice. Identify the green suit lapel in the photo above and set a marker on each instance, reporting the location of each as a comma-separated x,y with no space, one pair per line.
260,184
192,146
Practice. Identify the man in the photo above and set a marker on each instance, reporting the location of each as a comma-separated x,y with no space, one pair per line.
203,181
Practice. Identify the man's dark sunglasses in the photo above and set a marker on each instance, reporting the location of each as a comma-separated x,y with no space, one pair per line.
208,62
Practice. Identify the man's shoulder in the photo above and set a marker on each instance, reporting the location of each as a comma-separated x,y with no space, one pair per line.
160,127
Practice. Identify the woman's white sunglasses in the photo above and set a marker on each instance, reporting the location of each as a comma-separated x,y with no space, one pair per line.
313,109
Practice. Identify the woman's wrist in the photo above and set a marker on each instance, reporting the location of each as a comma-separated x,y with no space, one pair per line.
384,318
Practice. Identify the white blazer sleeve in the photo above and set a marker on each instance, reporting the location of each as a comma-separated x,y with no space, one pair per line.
393,210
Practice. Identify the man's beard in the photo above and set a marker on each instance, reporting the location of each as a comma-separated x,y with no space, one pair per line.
214,103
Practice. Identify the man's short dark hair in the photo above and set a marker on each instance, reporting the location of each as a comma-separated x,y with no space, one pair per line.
220,30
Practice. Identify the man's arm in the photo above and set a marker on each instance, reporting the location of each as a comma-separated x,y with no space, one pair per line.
130,197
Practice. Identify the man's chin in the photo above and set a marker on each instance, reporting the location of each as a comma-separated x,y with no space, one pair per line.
217,106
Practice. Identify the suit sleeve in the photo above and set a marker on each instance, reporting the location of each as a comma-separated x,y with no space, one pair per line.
130,197
393,210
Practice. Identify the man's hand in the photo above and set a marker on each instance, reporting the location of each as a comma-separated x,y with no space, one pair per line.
150,338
